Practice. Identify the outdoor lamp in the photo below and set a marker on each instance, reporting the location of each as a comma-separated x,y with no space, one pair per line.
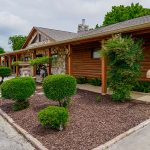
148,74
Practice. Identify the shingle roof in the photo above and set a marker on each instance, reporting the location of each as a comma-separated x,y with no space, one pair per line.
63,37
57,35
120,25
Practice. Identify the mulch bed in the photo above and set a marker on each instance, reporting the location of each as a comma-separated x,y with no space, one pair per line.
91,123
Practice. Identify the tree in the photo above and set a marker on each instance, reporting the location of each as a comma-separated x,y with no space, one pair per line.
1,50
17,41
122,13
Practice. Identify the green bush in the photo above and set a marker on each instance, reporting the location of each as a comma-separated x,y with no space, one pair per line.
82,80
96,82
16,63
4,72
59,88
18,89
124,57
142,86
53,116
40,60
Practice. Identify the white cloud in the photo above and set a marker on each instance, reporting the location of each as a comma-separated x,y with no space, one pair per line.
11,24
18,17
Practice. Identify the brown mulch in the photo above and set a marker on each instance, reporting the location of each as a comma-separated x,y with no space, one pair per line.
91,123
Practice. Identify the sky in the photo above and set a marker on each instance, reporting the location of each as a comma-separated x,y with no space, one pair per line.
17,17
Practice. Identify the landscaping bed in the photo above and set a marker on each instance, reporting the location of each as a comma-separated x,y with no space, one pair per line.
91,123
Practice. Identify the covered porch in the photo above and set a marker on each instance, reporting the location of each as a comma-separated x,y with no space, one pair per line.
79,56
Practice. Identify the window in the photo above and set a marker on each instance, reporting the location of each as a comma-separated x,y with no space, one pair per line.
96,54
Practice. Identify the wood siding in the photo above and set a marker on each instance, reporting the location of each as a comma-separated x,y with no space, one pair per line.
82,62
145,64
83,65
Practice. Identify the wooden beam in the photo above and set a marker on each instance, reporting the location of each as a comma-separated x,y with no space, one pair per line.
70,60
10,61
0,60
17,67
4,60
104,74
49,65
34,67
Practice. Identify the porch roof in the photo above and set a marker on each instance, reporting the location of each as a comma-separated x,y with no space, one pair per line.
125,26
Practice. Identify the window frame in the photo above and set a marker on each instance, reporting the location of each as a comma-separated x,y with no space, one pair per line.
92,54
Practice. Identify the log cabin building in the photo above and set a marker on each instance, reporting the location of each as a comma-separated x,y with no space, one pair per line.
78,53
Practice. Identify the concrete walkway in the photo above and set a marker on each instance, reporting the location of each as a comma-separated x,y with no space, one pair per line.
134,95
10,139
139,140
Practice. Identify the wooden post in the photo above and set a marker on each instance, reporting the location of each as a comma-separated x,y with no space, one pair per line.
17,67
34,67
49,65
70,60
10,61
0,61
4,60
104,74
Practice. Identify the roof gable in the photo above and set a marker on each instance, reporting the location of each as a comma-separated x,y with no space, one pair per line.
57,35
49,35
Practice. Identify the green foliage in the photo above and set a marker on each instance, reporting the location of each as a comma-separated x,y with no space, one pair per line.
59,88
142,86
124,57
18,89
20,105
96,82
2,50
122,13
40,60
4,72
17,41
97,26
82,80
53,116
98,99
16,63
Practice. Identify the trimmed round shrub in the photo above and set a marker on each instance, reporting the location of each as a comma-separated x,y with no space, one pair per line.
18,89
54,117
4,72
59,88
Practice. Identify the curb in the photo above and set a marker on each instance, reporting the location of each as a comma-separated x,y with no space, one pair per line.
37,144
123,135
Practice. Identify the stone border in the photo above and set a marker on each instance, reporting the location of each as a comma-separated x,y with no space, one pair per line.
37,144
123,135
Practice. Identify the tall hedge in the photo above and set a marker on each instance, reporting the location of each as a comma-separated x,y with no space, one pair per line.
124,56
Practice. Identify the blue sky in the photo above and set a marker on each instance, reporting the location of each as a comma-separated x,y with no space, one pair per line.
17,17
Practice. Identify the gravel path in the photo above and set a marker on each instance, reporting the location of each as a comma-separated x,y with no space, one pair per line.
10,139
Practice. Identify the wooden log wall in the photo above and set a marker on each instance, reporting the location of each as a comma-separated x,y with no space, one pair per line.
83,65
145,64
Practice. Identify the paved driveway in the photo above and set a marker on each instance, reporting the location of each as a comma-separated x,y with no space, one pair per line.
139,140
10,139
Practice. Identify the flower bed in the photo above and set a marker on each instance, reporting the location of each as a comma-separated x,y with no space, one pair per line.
91,123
